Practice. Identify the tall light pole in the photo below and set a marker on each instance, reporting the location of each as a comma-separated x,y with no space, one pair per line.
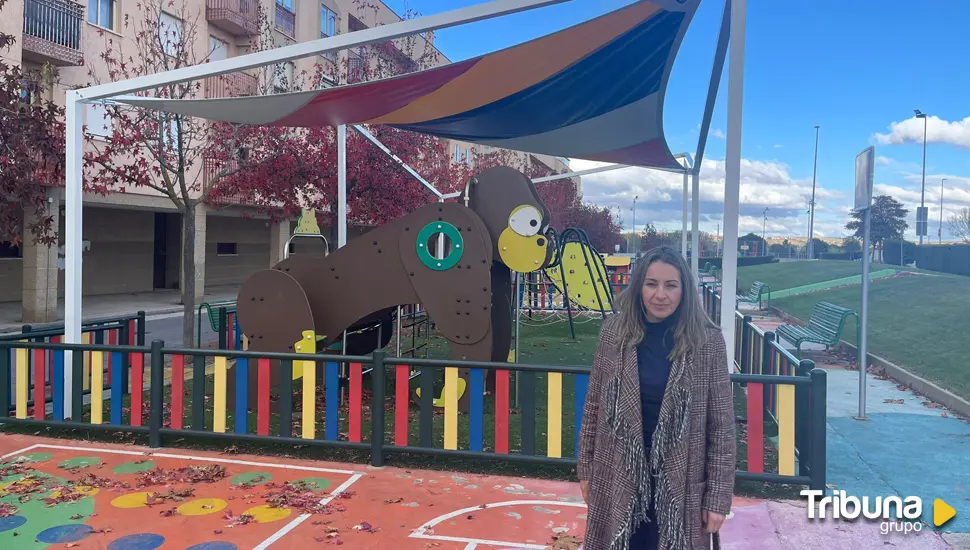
811,219
922,199
635,249
940,230
764,225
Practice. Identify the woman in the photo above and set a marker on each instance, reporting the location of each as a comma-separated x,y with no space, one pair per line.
657,447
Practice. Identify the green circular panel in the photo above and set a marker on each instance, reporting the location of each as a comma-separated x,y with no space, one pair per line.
251,478
28,458
133,467
453,257
314,483
80,462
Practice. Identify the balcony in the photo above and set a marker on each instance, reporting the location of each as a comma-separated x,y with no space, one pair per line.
217,197
230,85
237,17
52,31
285,20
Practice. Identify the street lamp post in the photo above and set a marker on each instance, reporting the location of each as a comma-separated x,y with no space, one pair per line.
764,225
811,220
940,230
922,200
635,249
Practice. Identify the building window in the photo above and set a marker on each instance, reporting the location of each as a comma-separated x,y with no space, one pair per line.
97,120
225,249
328,22
170,33
288,4
9,251
102,13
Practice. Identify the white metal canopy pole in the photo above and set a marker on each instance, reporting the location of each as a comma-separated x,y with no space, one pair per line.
695,238
683,229
341,185
732,180
72,241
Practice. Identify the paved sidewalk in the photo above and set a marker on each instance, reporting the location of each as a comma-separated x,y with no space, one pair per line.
905,446
94,307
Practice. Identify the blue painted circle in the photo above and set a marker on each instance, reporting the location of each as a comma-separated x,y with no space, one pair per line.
141,541
65,533
11,522
218,545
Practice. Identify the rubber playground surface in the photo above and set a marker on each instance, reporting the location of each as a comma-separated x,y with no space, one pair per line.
62,494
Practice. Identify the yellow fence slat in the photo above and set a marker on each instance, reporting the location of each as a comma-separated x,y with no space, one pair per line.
97,387
786,429
554,429
20,356
451,408
308,345
219,397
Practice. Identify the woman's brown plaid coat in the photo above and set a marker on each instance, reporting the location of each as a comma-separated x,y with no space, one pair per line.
698,468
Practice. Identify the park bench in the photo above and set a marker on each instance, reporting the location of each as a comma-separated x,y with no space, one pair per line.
755,293
824,327
212,312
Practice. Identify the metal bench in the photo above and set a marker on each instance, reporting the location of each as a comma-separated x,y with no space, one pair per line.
754,295
824,327
212,312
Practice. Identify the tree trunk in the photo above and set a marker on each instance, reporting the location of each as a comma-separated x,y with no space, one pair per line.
188,276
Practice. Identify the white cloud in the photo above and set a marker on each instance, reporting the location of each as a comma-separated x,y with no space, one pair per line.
938,130
885,161
660,200
718,133
778,146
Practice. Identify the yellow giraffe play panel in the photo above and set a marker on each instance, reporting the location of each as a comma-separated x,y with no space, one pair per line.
579,284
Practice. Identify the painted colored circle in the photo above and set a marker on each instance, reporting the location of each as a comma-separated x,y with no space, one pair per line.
202,507
266,513
141,541
133,467
217,545
251,478
80,462
454,255
314,483
65,533
11,522
29,457
131,500
86,490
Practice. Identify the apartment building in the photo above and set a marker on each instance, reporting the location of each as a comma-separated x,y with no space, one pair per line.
132,240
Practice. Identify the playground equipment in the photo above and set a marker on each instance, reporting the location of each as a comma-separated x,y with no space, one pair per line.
465,285
579,272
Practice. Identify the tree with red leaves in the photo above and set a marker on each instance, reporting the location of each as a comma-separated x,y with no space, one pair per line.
31,151
179,157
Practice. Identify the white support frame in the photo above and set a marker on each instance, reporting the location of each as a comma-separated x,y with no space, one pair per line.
73,316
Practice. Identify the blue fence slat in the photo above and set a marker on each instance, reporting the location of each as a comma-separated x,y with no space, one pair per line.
582,385
242,395
332,384
477,409
117,387
57,385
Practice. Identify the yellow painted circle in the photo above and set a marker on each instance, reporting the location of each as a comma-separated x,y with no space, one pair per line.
202,507
132,500
85,490
521,254
266,513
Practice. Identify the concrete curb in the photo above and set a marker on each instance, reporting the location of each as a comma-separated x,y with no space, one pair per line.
920,385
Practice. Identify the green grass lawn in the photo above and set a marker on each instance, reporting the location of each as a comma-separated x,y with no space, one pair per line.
917,322
785,275
541,343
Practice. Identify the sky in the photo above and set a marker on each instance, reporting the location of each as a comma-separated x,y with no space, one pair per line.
855,69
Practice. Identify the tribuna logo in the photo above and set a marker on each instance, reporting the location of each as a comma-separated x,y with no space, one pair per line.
895,513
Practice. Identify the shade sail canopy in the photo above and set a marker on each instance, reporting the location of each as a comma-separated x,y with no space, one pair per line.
592,91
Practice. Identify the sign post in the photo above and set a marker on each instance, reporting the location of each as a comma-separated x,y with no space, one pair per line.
864,168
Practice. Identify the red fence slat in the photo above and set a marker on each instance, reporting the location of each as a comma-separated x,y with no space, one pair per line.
353,431
138,385
39,383
756,428
178,389
262,398
401,391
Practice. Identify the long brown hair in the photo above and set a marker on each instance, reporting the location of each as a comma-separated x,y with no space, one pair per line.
691,331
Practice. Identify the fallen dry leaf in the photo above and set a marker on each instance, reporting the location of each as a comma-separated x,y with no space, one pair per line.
566,542
894,401
393,500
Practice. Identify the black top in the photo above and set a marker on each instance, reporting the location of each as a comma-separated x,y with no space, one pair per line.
654,365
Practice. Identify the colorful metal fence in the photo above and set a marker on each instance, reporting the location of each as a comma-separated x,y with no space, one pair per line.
179,393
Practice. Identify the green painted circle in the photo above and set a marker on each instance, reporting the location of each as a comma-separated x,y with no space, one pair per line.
251,478
80,462
314,483
453,257
133,467
40,516
30,458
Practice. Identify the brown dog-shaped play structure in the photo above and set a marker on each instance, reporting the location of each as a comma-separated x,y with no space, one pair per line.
466,290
